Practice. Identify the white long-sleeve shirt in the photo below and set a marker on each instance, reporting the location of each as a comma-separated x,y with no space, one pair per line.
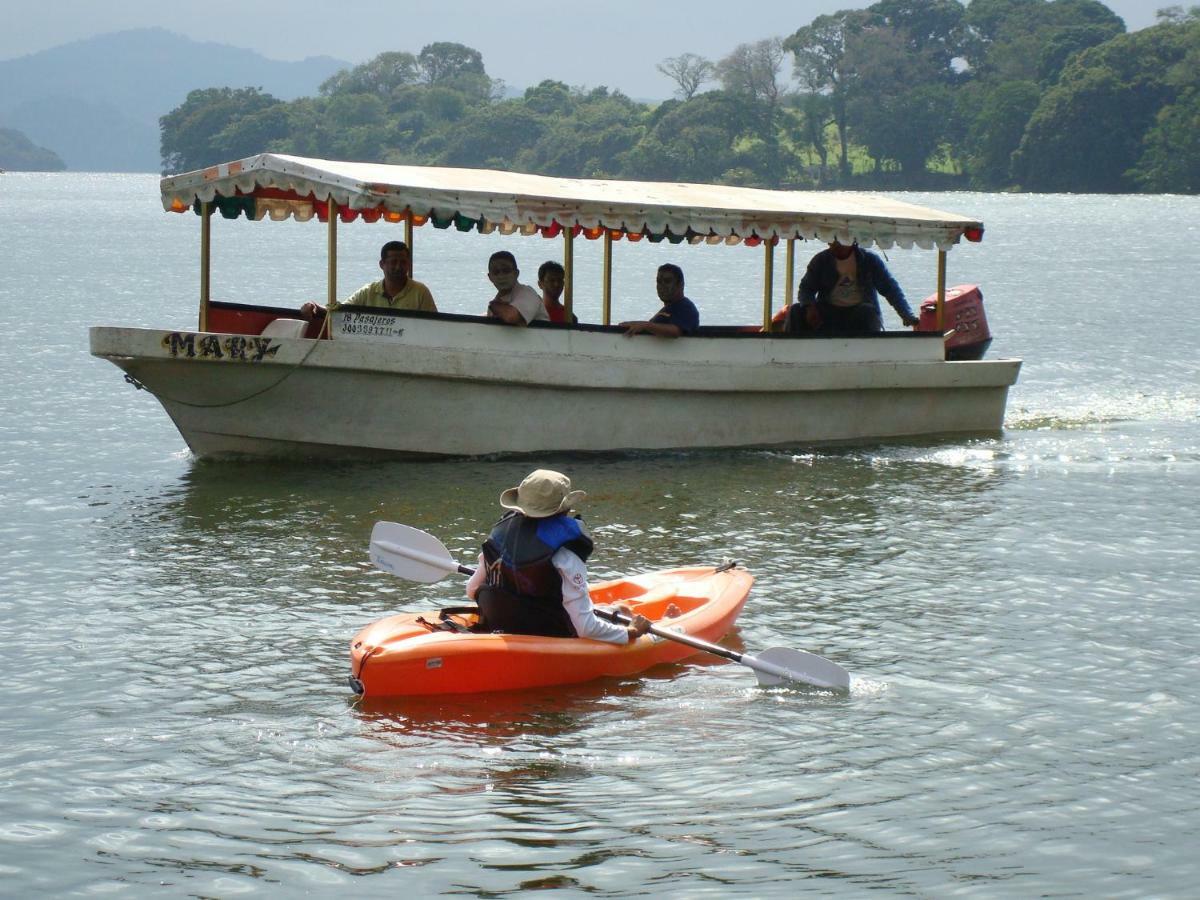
576,600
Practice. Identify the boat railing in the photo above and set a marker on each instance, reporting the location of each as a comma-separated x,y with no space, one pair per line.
238,318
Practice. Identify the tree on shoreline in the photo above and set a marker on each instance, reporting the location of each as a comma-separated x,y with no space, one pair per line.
751,73
205,127
1089,131
819,64
688,71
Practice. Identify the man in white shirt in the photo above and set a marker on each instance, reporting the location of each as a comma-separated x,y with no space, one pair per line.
514,303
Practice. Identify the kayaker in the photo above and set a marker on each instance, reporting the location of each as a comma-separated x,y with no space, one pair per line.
678,315
532,573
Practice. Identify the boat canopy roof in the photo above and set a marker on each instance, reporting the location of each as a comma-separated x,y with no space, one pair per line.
279,187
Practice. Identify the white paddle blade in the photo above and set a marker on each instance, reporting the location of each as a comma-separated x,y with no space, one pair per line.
781,665
410,553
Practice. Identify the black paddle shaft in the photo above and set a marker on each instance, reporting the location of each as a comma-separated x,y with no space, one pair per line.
698,644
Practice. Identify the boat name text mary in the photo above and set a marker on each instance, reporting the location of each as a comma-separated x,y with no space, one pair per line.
210,346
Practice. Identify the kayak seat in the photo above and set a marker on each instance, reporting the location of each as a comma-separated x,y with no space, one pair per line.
626,592
655,607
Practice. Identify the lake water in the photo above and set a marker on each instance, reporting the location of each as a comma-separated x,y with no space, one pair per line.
1019,612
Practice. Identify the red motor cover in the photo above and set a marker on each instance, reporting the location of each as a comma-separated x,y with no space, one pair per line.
964,314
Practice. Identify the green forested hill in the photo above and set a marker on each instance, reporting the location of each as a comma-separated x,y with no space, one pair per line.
19,154
997,94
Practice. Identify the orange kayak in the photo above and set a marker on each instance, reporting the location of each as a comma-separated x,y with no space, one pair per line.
400,655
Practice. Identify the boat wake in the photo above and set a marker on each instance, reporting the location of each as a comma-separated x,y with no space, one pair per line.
1105,409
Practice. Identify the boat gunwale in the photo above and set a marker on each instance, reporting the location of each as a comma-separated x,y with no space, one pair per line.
600,361
705,331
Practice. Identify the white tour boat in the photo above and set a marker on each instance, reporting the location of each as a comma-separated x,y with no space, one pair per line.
257,380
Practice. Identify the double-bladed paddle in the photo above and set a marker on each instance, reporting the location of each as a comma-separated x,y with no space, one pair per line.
416,555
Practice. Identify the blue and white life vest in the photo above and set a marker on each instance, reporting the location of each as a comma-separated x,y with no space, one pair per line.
522,591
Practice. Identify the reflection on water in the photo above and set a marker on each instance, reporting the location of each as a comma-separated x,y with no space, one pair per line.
513,720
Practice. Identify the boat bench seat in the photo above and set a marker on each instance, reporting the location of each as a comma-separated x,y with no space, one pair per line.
285,328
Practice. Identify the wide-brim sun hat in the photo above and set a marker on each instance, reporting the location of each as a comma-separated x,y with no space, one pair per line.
543,493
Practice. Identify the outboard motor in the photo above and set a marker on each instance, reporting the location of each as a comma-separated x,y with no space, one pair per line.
964,315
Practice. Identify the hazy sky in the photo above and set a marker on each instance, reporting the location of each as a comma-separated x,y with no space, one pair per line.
605,42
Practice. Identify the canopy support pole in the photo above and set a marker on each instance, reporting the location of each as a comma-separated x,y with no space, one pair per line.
941,292
332,245
568,271
205,263
768,281
408,239
607,286
789,277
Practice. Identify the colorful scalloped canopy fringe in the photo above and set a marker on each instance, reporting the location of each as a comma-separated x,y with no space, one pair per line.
287,187
270,203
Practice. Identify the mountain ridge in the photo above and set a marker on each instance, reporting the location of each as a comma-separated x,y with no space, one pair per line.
96,102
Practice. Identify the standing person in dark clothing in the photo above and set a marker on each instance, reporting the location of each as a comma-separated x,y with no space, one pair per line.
532,573
839,293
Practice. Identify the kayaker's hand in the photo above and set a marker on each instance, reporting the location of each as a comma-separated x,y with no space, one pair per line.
911,321
639,627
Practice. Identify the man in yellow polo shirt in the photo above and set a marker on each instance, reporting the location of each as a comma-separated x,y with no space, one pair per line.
395,291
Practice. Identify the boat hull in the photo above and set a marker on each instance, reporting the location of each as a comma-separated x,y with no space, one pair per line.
465,388
399,656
